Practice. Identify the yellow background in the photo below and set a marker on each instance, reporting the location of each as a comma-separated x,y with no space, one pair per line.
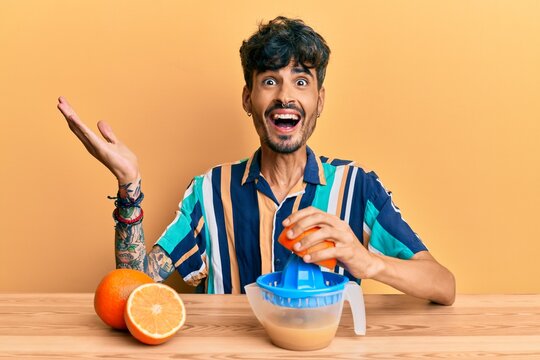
440,98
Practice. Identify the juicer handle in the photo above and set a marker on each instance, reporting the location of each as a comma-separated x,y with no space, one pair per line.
354,295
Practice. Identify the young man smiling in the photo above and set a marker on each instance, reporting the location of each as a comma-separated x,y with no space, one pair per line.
225,232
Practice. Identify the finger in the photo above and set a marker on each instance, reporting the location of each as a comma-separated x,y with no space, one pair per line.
297,215
324,254
316,237
83,139
107,132
71,116
83,132
66,109
317,218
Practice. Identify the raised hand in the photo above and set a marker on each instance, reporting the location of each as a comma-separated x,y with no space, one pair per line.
112,153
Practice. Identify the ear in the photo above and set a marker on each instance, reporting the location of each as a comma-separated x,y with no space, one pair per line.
246,99
320,103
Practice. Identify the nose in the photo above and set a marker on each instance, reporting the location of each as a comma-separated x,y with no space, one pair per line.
285,96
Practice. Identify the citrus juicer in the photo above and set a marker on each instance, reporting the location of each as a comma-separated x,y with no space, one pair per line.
300,307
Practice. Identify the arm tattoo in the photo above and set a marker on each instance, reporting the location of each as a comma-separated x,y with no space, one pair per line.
160,265
130,248
130,190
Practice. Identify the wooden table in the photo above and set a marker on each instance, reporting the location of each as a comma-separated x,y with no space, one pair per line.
223,327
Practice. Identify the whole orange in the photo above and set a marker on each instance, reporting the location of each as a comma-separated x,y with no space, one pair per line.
112,293
289,243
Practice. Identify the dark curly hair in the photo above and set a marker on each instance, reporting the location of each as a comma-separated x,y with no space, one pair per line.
278,42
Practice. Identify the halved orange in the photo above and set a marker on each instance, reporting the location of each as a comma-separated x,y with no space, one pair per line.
154,313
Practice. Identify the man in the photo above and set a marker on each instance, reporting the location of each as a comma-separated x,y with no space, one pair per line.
225,232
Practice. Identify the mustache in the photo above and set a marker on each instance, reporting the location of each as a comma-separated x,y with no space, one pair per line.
279,106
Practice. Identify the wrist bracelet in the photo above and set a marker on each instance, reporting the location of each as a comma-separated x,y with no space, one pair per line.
120,202
118,218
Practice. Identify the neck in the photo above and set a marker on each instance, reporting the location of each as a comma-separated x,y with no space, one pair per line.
283,171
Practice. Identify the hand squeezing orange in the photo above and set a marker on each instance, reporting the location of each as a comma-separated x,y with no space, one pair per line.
289,243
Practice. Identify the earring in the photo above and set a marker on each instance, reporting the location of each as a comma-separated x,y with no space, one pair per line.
318,115
248,114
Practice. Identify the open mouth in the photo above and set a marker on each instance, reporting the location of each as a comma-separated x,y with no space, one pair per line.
285,121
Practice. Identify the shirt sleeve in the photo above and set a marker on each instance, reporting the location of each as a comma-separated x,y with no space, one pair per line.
183,239
387,232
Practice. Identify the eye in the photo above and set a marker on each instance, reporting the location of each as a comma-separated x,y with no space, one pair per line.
269,82
301,82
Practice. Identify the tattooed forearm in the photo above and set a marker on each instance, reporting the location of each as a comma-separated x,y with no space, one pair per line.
130,247
131,253
160,265
129,239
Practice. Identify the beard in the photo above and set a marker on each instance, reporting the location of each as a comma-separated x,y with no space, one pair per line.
286,144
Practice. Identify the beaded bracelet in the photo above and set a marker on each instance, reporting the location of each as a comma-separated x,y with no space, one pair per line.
117,217
125,203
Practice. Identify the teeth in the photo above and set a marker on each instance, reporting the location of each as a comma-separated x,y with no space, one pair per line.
286,116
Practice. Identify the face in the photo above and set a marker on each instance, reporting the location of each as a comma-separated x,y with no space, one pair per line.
285,104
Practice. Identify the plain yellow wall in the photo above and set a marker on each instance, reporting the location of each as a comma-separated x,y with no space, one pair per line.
440,98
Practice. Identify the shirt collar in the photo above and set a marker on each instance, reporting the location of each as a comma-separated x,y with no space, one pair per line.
313,173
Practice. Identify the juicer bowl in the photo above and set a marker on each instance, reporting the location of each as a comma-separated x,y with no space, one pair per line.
297,328
300,307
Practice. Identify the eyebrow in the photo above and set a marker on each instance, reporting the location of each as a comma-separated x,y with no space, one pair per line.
301,70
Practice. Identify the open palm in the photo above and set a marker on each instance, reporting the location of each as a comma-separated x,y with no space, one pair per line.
112,153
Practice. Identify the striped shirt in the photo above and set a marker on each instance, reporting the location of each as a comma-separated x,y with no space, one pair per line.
225,232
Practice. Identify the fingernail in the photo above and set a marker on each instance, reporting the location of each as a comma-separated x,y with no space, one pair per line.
297,246
290,234
286,222
307,258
